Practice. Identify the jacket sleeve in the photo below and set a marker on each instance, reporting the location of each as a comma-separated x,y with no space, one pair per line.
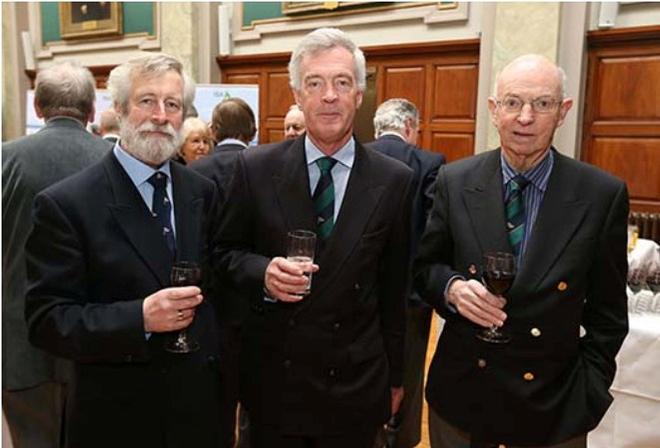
61,319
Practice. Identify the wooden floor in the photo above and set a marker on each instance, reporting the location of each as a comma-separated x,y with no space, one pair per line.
433,338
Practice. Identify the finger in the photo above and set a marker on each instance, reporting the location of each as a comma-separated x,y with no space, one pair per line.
184,303
181,324
290,298
181,292
476,311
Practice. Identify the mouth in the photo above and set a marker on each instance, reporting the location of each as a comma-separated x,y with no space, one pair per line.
523,134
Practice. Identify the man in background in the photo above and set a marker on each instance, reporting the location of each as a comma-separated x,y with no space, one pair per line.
234,127
294,122
33,389
396,123
322,370
565,222
109,126
99,269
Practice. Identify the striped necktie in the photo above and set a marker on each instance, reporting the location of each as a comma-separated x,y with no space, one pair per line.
324,198
161,207
515,213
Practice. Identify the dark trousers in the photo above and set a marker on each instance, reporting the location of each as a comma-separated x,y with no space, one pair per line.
265,436
35,416
445,435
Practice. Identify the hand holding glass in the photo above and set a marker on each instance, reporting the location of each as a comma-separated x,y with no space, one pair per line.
184,273
300,248
499,270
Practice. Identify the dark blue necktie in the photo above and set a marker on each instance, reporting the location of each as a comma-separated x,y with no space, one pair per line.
515,213
162,208
324,198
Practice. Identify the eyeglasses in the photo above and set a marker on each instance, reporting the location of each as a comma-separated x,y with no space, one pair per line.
542,105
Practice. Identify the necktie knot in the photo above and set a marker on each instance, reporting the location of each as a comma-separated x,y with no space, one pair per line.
325,164
519,183
158,180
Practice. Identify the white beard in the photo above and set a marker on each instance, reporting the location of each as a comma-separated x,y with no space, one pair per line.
150,149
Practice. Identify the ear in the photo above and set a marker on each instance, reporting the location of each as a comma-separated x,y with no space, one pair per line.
37,109
296,96
492,107
358,98
565,106
92,114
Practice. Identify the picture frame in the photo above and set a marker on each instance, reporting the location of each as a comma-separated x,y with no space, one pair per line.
89,20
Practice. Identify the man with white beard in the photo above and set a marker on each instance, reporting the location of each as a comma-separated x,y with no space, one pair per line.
99,261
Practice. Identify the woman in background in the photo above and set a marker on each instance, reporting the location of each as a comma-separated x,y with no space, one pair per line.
196,141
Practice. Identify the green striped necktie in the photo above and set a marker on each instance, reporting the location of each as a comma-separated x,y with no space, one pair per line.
324,198
515,212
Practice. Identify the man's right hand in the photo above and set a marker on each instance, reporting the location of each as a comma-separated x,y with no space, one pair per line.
474,302
285,279
170,309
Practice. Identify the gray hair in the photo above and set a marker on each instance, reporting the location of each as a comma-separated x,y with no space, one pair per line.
120,81
393,114
323,39
65,89
528,58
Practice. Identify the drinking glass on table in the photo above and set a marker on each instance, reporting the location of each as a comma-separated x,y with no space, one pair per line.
184,273
300,248
499,270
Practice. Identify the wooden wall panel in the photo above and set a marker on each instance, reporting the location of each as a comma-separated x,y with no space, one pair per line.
242,78
622,110
636,160
451,99
453,146
405,82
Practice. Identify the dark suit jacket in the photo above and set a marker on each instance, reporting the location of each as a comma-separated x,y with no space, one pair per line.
548,384
95,253
425,165
325,364
30,164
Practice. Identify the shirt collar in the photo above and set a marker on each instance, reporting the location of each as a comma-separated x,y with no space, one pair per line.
232,141
138,171
345,155
538,175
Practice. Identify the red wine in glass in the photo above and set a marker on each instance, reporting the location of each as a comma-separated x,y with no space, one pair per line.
499,271
184,273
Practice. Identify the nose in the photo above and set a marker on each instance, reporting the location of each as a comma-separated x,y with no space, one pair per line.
526,115
330,94
158,114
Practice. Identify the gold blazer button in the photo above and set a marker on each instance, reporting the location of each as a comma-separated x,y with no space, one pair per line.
562,286
528,376
535,332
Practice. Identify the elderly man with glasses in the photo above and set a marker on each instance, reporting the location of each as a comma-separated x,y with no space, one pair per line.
543,382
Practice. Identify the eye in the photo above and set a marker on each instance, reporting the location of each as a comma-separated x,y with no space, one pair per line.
512,103
543,104
172,106
146,102
313,84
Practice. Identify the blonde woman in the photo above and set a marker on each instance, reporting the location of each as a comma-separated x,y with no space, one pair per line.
196,141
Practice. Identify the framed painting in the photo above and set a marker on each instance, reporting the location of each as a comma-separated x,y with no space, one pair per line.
85,20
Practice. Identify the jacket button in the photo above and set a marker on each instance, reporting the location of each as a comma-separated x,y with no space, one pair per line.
128,358
528,376
472,269
336,326
561,286
287,363
535,332
292,322
356,286
332,372
481,363
501,445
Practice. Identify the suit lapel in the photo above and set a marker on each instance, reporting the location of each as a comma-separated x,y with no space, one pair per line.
485,206
135,220
360,200
187,216
292,189
560,215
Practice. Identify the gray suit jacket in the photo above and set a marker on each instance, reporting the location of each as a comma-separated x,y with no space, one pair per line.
30,164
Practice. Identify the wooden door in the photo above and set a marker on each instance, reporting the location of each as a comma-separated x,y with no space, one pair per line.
622,110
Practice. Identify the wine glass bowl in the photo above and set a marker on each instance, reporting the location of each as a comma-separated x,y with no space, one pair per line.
184,273
498,273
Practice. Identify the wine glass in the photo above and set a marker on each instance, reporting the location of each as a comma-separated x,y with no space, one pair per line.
300,248
184,273
499,270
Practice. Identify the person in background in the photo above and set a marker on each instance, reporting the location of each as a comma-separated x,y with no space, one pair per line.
33,382
322,370
294,122
234,126
99,263
196,141
109,126
565,224
396,123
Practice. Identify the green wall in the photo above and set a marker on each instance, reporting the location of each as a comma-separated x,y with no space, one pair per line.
260,10
138,17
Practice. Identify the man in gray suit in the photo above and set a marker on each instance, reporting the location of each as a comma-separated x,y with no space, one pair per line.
33,392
